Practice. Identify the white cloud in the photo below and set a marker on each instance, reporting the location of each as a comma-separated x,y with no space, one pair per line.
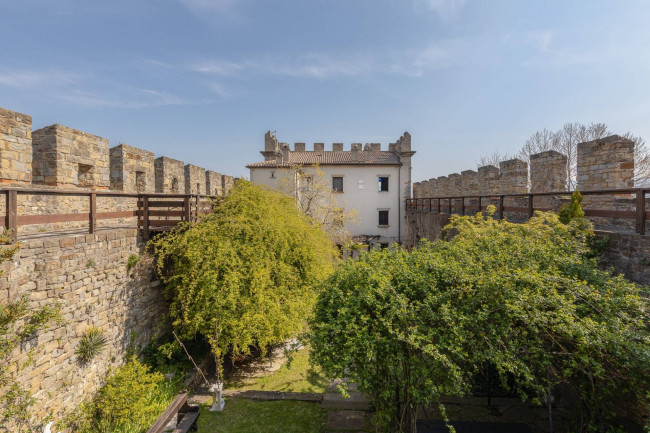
446,9
127,98
31,79
316,65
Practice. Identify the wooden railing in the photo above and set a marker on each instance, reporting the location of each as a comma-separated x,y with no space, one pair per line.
186,416
463,204
154,212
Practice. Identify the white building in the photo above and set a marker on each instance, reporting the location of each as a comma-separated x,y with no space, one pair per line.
372,181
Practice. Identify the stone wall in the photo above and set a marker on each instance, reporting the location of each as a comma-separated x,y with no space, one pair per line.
132,169
15,147
213,183
88,275
606,163
227,183
170,175
194,179
68,158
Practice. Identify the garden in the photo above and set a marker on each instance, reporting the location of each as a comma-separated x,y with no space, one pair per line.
522,310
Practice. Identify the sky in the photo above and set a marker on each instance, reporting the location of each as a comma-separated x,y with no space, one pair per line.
203,80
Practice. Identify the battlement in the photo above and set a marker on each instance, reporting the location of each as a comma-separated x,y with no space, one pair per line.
606,163
273,148
62,157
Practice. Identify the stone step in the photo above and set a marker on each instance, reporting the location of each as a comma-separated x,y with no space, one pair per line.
356,401
346,420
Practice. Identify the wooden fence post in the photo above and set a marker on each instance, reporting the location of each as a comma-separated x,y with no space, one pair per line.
640,211
145,217
531,211
186,208
501,215
10,215
92,221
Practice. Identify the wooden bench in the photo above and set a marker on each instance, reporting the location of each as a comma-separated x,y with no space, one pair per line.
186,416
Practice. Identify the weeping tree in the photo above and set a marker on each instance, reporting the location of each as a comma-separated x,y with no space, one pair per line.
527,300
246,275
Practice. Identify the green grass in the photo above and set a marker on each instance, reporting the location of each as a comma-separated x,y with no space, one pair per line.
247,416
295,376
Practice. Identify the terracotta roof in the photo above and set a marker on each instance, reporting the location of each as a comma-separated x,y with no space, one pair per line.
334,158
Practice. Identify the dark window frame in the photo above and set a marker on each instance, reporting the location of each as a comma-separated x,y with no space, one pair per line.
383,217
334,186
383,183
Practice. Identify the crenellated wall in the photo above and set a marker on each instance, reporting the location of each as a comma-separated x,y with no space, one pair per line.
61,157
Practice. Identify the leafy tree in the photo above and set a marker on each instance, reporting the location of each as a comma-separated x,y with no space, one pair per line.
19,323
247,274
314,196
522,298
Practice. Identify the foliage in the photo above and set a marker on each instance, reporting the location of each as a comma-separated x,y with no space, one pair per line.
522,298
570,211
165,355
92,343
247,274
132,261
132,399
19,325
246,416
314,195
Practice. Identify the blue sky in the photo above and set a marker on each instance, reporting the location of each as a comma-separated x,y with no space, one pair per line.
203,80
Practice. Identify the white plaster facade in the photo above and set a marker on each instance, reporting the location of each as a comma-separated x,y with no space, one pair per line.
360,170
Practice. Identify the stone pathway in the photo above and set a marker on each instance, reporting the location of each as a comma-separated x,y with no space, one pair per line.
345,414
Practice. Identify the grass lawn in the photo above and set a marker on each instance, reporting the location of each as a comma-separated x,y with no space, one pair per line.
248,416
295,376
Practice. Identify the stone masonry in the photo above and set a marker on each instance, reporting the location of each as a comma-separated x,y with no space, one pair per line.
15,147
132,169
514,177
88,276
227,183
68,158
548,172
213,183
470,182
606,163
488,180
194,179
170,175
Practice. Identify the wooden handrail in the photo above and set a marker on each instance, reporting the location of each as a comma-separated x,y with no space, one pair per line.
186,416
640,215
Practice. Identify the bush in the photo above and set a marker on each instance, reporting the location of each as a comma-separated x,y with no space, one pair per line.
523,299
246,275
130,402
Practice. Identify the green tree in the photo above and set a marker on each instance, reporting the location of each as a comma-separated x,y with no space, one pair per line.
572,210
247,274
524,299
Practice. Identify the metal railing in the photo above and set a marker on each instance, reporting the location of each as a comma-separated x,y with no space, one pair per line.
461,205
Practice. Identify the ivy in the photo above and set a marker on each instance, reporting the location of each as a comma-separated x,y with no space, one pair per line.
19,324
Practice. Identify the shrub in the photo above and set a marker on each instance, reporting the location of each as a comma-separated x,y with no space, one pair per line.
524,299
92,343
247,274
132,261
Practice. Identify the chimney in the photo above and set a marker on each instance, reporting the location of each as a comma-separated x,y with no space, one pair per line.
375,147
299,147
285,152
319,147
337,147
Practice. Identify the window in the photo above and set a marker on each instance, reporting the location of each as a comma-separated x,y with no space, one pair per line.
175,185
140,181
337,183
383,183
198,188
383,217
85,175
272,175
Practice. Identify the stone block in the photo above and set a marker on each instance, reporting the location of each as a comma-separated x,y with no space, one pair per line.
15,147
132,169
194,179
